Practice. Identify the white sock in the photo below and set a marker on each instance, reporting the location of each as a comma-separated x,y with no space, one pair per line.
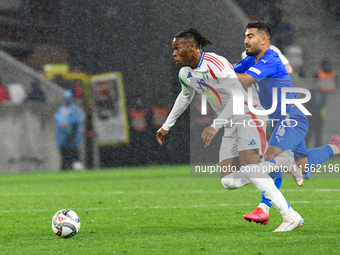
266,186
335,149
264,207
269,167
289,214
281,160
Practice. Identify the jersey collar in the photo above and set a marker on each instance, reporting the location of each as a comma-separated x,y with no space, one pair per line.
201,60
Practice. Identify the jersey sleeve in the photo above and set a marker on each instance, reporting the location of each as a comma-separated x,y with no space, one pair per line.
264,68
239,67
282,57
182,102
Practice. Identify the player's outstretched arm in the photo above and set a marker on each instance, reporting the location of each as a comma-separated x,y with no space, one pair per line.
161,133
245,79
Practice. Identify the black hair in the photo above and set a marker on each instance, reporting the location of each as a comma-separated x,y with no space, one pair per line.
191,33
261,26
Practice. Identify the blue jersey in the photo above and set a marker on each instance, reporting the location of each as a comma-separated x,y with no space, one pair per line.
269,72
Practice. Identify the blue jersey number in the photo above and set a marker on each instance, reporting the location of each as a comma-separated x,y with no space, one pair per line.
280,132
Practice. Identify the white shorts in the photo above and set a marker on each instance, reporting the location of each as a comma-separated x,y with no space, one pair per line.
240,137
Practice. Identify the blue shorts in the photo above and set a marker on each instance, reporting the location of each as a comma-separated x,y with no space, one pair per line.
289,132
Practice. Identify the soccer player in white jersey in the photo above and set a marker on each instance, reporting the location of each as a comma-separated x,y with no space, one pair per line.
207,72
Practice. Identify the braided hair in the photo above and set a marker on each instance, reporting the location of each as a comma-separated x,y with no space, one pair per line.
191,33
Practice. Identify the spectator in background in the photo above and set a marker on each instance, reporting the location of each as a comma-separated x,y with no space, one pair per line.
78,91
316,106
327,78
326,82
139,142
334,6
69,119
106,98
284,33
272,14
36,94
256,9
4,96
160,111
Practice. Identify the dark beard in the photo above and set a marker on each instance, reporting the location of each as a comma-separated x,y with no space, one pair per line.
252,53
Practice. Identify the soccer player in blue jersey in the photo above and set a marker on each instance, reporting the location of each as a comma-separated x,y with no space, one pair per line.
263,67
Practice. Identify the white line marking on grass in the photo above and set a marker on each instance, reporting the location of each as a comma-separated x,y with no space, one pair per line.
24,210
120,192
160,207
317,190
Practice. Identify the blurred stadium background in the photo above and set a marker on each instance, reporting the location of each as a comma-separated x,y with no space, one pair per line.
62,43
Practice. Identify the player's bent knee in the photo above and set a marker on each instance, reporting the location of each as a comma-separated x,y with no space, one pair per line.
228,182
235,180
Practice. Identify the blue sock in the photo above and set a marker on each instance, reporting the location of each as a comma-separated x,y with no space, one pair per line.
277,178
317,156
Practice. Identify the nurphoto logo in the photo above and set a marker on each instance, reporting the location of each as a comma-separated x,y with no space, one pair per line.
238,100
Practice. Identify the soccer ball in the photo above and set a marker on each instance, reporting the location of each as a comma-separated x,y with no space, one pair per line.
65,223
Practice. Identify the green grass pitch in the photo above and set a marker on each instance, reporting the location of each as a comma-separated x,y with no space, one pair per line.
160,210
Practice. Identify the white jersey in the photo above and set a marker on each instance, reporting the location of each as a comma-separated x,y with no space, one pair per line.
282,57
212,73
